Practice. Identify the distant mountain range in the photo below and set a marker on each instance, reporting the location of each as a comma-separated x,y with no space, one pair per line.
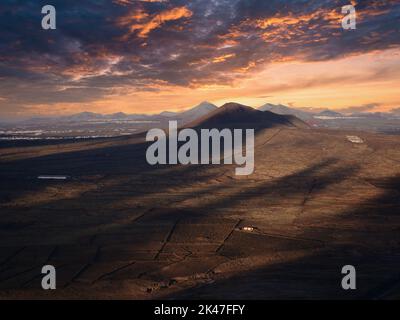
285,110
185,116
326,114
205,108
329,113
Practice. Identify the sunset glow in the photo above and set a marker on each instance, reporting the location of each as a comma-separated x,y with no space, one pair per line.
151,56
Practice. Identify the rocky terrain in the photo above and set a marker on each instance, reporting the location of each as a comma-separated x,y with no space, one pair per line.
121,229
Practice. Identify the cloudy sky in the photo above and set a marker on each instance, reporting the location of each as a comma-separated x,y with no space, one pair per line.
153,55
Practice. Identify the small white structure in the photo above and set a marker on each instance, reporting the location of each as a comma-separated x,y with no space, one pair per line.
355,139
51,177
248,229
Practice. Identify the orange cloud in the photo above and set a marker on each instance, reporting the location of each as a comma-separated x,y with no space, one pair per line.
223,58
148,23
250,65
288,20
137,15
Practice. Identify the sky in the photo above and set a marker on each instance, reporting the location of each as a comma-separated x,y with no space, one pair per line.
153,55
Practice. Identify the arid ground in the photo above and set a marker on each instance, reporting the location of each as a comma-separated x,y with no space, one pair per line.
121,229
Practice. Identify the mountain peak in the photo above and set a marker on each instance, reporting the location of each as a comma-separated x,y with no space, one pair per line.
121,114
237,116
198,111
234,107
330,113
204,105
117,115
83,116
168,114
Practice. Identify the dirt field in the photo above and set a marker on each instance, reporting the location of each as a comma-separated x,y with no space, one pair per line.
122,229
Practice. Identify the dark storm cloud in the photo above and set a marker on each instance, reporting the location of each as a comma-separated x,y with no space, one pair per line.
102,45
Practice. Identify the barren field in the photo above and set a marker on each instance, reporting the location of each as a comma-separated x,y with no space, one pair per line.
119,228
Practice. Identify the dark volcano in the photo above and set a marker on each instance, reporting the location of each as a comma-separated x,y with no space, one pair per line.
237,116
